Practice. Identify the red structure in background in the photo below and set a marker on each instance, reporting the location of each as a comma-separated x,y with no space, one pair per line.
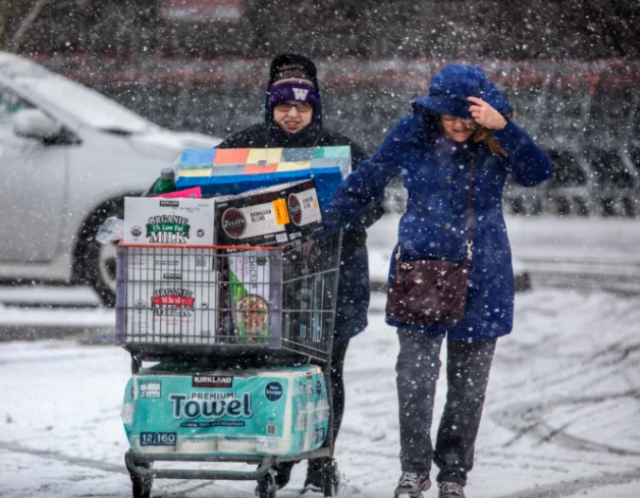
199,11
389,73
585,114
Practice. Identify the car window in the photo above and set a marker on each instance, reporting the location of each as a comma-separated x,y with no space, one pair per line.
9,105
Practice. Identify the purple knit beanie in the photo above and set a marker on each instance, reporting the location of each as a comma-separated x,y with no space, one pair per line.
292,83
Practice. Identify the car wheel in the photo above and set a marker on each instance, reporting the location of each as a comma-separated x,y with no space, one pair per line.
104,280
95,262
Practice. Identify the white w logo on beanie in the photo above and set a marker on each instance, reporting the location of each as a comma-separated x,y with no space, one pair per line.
300,93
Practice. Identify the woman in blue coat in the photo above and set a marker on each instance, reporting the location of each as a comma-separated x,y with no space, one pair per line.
464,119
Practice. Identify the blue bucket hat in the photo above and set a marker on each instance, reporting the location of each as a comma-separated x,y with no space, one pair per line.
450,87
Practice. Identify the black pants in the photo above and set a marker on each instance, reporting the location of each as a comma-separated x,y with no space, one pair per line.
337,384
418,367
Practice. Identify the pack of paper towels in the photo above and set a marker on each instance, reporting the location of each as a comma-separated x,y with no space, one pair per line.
280,411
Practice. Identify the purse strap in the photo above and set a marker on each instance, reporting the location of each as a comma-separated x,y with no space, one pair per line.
469,241
469,208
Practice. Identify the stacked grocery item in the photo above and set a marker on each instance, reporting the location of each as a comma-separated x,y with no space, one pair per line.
268,216
279,411
263,217
221,257
172,295
233,171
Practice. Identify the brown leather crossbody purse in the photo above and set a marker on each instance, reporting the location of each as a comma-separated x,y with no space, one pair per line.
431,291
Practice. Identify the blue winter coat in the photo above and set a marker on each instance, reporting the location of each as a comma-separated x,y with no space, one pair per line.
435,172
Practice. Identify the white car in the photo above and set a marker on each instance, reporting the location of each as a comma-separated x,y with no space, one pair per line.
68,156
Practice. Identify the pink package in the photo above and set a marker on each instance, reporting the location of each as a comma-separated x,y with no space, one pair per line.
191,193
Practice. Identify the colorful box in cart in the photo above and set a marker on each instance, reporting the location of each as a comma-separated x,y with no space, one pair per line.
267,217
281,411
171,295
248,275
249,298
156,221
233,171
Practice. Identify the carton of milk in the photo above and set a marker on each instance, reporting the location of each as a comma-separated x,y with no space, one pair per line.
157,221
171,295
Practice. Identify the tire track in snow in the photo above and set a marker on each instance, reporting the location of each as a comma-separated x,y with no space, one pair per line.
571,488
170,488
60,457
529,419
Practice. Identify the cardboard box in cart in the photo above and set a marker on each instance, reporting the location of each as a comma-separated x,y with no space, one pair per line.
249,297
269,216
248,291
157,221
171,295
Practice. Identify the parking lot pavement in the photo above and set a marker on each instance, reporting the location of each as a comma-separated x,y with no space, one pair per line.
54,312
558,252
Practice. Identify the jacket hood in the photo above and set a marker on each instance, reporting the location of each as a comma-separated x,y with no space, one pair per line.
277,137
450,87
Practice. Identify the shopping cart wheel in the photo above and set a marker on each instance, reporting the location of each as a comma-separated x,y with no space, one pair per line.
330,478
141,486
267,486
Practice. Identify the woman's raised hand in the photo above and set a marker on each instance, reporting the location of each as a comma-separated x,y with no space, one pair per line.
486,115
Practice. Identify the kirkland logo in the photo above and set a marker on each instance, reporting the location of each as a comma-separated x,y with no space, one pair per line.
169,204
212,381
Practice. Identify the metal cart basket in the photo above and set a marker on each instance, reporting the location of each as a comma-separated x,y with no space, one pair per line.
228,307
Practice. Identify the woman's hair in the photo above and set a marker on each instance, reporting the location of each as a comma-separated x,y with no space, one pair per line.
483,134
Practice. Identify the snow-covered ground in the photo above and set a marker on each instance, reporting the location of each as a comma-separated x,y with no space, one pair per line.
561,417
583,252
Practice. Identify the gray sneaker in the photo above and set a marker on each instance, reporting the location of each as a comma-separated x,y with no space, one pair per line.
412,485
450,490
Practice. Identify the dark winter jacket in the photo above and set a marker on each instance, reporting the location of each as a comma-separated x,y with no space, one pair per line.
435,172
353,290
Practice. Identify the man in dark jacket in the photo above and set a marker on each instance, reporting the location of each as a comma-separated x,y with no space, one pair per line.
293,118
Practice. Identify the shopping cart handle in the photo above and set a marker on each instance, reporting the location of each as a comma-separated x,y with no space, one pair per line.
132,463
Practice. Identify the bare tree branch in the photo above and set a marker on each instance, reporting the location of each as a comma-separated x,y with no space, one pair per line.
25,25
4,23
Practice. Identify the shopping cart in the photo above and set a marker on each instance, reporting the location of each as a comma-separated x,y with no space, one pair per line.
228,307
